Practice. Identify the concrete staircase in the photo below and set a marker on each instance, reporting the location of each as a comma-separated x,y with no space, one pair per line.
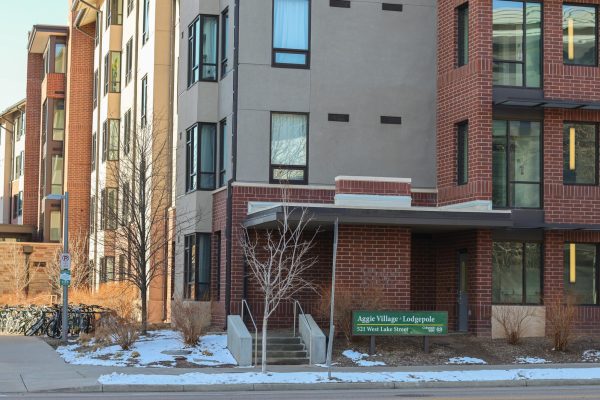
282,349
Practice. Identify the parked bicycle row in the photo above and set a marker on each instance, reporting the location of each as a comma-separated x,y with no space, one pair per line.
47,320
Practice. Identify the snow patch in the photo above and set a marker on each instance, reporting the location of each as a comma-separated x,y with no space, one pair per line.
151,348
197,378
591,356
359,359
465,361
530,360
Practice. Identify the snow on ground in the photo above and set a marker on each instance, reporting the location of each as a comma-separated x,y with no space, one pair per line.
591,356
359,359
530,360
465,360
156,349
198,378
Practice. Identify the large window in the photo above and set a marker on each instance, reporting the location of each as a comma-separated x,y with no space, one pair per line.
128,60
224,40
581,278
291,33
57,175
289,147
58,123
94,149
462,156
55,226
110,139
516,164
223,154
463,35
110,208
145,21
200,157
196,272
95,90
516,273
112,72
579,34
580,154
114,12
60,58
202,49
127,132
107,269
144,106
517,43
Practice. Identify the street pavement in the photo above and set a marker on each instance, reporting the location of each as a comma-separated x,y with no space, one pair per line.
29,365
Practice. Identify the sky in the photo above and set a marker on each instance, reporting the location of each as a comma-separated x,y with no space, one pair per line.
18,18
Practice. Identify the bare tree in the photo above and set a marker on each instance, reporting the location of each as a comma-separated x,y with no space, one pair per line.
278,259
19,271
139,229
513,320
80,272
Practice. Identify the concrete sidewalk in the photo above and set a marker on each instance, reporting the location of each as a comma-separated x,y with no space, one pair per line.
28,364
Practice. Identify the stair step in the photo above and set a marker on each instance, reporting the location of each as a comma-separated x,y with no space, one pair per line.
281,340
284,354
286,361
279,347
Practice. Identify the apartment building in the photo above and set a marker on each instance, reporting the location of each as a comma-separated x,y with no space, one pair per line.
12,160
455,142
132,87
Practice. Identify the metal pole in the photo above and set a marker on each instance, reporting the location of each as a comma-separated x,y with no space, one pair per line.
331,324
65,313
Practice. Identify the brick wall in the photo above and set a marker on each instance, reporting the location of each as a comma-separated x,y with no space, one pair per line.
423,273
373,187
31,182
219,224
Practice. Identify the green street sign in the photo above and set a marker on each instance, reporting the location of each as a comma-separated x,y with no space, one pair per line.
65,277
399,323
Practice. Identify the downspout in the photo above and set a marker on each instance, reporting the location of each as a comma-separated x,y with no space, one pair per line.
234,128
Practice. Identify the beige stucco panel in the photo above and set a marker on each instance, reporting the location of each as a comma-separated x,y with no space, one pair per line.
534,326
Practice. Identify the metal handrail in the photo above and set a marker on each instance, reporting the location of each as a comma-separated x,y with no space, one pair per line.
297,304
245,303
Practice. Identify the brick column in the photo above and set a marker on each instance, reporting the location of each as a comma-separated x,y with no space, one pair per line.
480,285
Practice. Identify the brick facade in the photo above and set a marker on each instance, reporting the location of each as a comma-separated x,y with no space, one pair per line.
384,187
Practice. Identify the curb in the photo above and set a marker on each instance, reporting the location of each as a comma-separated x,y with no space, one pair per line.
248,387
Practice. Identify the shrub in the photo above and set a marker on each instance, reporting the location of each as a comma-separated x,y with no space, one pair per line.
561,317
513,320
186,318
113,329
121,297
369,298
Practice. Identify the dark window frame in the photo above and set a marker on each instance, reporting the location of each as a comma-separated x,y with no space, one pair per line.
275,50
111,216
128,61
597,156
111,17
524,274
596,30
195,45
112,153
95,89
462,157
224,28
222,162
130,6
462,52
192,286
144,101
126,132
197,139
304,168
596,267
146,22
93,158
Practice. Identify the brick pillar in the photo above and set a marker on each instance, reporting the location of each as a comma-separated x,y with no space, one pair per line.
480,284
553,265
375,257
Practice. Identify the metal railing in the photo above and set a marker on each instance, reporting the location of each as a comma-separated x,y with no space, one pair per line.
245,304
297,305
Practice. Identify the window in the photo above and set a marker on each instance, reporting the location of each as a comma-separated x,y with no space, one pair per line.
463,35
102,208
200,157
223,154
114,12
581,278
93,214
128,60
95,89
57,175
517,43
129,6
110,207
289,144
106,72
516,164
44,120
115,71
104,139
224,40
55,226
58,123
580,154
126,201
60,58
19,165
145,21
20,126
196,272
291,33
20,203
126,131
15,206
579,34
202,49
114,128
107,269
121,267
516,273
462,156
93,158
144,99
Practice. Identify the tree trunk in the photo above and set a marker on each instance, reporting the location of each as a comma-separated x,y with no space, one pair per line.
264,341
144,311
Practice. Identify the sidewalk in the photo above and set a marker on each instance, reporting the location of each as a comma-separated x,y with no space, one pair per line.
30,365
